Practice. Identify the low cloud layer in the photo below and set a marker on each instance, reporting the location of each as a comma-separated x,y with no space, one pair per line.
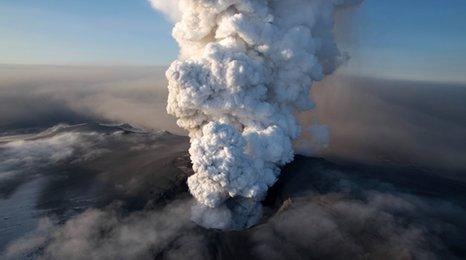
28,156
25,158
65,169
108,234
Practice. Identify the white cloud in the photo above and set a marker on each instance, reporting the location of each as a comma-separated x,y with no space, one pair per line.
169,7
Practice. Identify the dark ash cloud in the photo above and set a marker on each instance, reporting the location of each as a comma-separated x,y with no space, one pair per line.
108,234
42,96
389,122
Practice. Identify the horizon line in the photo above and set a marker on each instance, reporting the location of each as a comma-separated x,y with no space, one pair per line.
140,65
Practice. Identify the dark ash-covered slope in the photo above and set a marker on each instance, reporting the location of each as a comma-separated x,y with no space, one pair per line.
96,191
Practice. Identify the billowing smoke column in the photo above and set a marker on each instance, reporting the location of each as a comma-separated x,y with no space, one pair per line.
245,68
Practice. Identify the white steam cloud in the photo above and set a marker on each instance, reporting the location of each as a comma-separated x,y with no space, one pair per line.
168,7
245,69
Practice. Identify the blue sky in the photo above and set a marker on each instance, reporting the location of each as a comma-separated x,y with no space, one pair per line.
403,39
412,39
83,31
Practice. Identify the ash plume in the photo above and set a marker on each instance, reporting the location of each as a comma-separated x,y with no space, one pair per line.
245,69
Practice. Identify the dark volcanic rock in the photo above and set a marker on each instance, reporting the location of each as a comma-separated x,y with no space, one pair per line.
317,210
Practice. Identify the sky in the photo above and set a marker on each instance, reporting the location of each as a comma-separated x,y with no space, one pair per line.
398,39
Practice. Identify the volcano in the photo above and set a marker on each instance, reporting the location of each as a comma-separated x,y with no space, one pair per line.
117,179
